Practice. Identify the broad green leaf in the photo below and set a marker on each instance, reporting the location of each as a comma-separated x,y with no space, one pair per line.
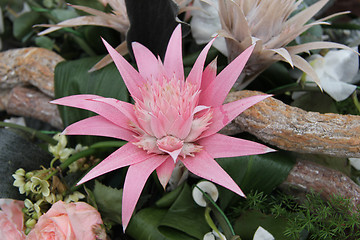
23,24
246,225
108,200
64,14
184,220
258,172
323,103
45,42
151,24
144,225
168,199
184,215
72,77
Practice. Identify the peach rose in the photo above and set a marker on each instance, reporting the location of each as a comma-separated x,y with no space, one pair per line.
11,219
67,221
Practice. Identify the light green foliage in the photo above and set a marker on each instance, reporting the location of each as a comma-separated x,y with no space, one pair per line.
308,218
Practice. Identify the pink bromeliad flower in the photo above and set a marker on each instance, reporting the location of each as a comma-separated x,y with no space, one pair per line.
172,120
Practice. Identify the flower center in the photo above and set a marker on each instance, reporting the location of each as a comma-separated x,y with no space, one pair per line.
170,145
169,119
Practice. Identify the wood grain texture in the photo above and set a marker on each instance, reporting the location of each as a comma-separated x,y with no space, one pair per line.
293,129
307,176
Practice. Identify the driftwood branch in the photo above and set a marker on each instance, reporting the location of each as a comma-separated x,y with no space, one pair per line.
293,129
308,176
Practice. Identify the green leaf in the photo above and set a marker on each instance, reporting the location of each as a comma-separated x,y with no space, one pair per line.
72,77
108,200
257,172
184,220
151,24
323,104
184,214
23,24
246,225
64,14
169,198
44,42
144,225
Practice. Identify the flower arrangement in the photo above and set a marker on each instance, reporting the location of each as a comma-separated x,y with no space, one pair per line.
153,143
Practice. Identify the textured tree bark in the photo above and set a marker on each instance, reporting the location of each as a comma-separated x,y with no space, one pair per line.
28,102
308,176
293,129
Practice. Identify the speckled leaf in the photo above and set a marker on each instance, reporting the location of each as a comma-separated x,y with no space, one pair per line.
108,200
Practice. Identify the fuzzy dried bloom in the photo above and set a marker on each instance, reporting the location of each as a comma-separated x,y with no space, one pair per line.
270,25
117,19
173,119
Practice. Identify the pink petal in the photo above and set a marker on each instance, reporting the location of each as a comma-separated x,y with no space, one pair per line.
124,107
209,75
173,61
196,72
226,113
219,146
131,77
99,126
157,127
147,63
164,171
206,167
124,156
217,91
134,183
84,101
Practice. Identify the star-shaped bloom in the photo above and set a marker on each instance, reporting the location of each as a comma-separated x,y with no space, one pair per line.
172,120
271,25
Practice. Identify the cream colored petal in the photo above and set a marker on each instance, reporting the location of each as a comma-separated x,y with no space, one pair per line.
122,49
306,47
304,16
96,12
233,19
333,15
79,21
304,66
284,54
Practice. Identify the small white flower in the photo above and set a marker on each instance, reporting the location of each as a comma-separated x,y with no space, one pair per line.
59,150
262,234
33,209
39,186
355,162
74,197
19,182
214,236
337,70
207,187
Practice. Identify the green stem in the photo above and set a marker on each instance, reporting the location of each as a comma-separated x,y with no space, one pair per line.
293,87
210,222
87,152
356,101
70,160
220,216
107,144
33,132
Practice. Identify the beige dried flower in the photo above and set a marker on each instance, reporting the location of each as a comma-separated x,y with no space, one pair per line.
270,25
117,20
